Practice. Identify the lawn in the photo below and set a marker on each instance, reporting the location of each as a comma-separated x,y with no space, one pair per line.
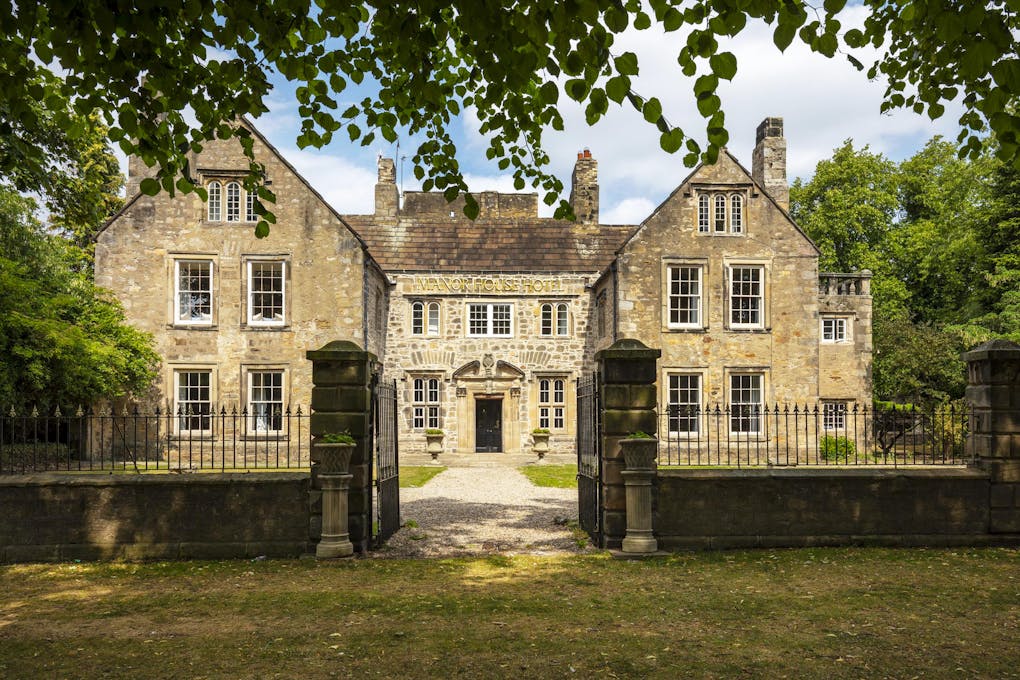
418,475
821,613
559,476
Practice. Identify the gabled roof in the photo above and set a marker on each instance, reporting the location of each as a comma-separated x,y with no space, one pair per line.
532,244
750,179
279,156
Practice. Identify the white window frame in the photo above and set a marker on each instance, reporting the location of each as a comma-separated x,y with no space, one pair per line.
183,413
214,202
555,319
839,333
426,318
704,214
426,403
736,214
733,294
719,213
674,295
489,319
260,419
417,318
249,208
552,403
178,293
834,416
232,204
740,386
684,410
433,322
250,268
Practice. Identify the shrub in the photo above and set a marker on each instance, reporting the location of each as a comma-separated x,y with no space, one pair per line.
639,435
433,430
837,449
540,430
337,438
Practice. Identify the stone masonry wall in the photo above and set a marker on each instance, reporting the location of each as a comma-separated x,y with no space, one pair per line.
785,351
449,355
209,516
325,277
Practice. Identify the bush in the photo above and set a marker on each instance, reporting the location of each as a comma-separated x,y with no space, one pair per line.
837,449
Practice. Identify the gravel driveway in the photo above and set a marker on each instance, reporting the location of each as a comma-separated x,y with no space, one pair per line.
483,510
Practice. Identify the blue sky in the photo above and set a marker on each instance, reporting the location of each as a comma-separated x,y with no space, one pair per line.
823,101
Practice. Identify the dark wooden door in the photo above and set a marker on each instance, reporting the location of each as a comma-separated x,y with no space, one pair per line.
489,425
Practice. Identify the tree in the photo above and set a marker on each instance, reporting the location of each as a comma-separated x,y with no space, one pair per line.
915,226
64,342
147,69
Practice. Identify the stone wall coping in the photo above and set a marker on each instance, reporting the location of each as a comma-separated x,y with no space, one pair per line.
994,349
187,479
823,472
339,350
627,348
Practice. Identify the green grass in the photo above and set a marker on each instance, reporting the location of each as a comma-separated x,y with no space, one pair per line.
811,613
558,476
418,475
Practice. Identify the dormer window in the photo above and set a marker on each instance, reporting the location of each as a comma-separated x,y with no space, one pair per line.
721,213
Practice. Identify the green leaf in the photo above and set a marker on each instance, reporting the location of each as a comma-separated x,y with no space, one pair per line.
576,88
652,110
642,21
671,141
627,64
262,229
149,186
672,20
724,65
834,6
784,35
617,88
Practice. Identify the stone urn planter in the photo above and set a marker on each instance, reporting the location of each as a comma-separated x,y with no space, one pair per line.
434,443
640,452
334,453
540,436
334,457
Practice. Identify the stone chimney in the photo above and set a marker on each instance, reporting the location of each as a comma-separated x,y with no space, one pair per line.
387,198
768,164
584,188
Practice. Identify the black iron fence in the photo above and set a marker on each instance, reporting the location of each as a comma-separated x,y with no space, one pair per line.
139,440
826,434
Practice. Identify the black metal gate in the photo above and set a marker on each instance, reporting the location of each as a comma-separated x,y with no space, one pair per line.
384,466
589,457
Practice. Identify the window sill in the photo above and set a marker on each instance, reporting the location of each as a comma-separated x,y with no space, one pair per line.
267,327
224,223
748,330
692,329
193,326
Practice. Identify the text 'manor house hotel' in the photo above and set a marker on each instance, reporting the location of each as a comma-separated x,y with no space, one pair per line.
486,324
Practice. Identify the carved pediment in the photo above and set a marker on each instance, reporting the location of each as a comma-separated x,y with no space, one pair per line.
498,370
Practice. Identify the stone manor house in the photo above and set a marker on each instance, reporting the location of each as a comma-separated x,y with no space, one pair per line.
486,325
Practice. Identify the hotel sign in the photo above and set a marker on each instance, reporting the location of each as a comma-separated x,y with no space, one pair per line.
486,284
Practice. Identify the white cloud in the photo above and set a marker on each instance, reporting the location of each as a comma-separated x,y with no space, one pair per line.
627,211
346,185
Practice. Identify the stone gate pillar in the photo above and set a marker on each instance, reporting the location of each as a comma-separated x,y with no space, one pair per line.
342,402
628,399
993,391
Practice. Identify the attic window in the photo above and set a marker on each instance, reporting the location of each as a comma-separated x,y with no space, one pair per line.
721,212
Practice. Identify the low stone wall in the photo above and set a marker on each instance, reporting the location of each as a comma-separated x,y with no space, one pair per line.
51,517
802,507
